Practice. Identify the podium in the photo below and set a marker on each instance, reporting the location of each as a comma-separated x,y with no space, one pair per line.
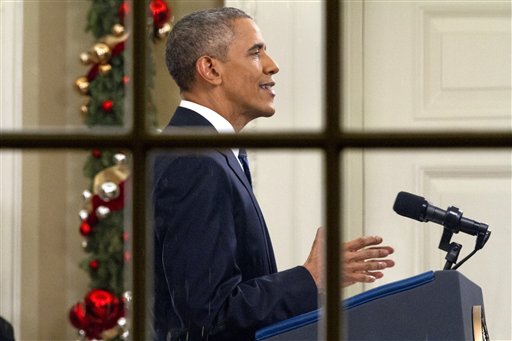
437,306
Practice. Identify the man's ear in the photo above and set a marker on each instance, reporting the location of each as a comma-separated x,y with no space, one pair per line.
208,69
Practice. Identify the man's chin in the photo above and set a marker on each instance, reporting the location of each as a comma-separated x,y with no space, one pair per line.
269,112
263,112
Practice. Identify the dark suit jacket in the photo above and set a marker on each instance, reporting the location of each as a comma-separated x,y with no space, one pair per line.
215,272
6,331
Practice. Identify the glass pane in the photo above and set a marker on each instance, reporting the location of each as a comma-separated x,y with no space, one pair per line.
477,182
422,65
297,49
65,252
60,69
215,271
64,65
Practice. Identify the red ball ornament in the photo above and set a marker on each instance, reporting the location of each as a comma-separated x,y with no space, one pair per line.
104,305
85,228
78,316
94,265
160,11
107,105
96,153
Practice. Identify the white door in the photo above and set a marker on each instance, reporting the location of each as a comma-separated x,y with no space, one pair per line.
436,66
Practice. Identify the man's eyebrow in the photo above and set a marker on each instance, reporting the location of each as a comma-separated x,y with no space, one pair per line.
257,46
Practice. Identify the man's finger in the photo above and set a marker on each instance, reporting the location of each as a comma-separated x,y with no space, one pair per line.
362,242
365,254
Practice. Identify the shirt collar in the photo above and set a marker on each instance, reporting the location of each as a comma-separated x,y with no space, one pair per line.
217,121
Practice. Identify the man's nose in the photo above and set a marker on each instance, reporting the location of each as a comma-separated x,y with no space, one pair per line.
270,66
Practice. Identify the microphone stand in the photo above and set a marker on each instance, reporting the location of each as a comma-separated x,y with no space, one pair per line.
451,225
452,249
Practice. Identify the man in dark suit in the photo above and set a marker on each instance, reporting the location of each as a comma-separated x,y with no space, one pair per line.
215,272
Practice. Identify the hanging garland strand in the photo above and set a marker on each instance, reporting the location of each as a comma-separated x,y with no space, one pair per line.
101,314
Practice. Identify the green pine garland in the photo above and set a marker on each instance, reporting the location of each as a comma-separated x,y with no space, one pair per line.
105,246
102,16
105,87
105,243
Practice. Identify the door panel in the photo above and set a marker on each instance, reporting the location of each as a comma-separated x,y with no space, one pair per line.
437,65
441,66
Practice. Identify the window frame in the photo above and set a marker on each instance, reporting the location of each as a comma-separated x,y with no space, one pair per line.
332,141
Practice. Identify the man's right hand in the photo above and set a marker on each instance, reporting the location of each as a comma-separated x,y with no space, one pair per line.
362,260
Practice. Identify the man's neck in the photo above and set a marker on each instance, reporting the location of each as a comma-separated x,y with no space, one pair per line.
217,105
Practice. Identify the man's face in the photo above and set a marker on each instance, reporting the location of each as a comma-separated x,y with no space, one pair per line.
247,73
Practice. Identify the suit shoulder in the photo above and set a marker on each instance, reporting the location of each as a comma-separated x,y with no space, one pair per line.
189,166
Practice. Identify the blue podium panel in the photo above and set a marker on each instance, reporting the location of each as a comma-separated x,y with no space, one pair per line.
431,306
439,310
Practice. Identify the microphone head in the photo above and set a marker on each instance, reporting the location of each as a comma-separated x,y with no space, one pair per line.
410,206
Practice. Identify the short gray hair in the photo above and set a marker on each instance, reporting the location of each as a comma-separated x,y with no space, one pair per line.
206,32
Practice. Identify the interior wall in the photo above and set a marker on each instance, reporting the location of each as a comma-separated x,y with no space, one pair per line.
52,180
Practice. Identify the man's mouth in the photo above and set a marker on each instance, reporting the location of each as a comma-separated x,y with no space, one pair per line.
268,87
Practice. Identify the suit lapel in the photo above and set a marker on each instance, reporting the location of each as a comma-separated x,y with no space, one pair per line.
186,118
235,166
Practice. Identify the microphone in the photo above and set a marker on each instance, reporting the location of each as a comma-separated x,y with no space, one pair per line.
417,208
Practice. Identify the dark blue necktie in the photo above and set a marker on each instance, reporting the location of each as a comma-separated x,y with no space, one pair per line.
242,156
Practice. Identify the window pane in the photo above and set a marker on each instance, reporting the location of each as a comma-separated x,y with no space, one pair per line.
64,65
292,32
422,65
478,182
65,259
211,246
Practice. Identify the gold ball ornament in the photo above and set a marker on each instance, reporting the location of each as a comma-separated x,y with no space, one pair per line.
82,85
118,30
86,195
102,52
87,58
111,333
102,212
109,191
120,159
128,297
164,31
105,68
83,214
84,110
123,324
